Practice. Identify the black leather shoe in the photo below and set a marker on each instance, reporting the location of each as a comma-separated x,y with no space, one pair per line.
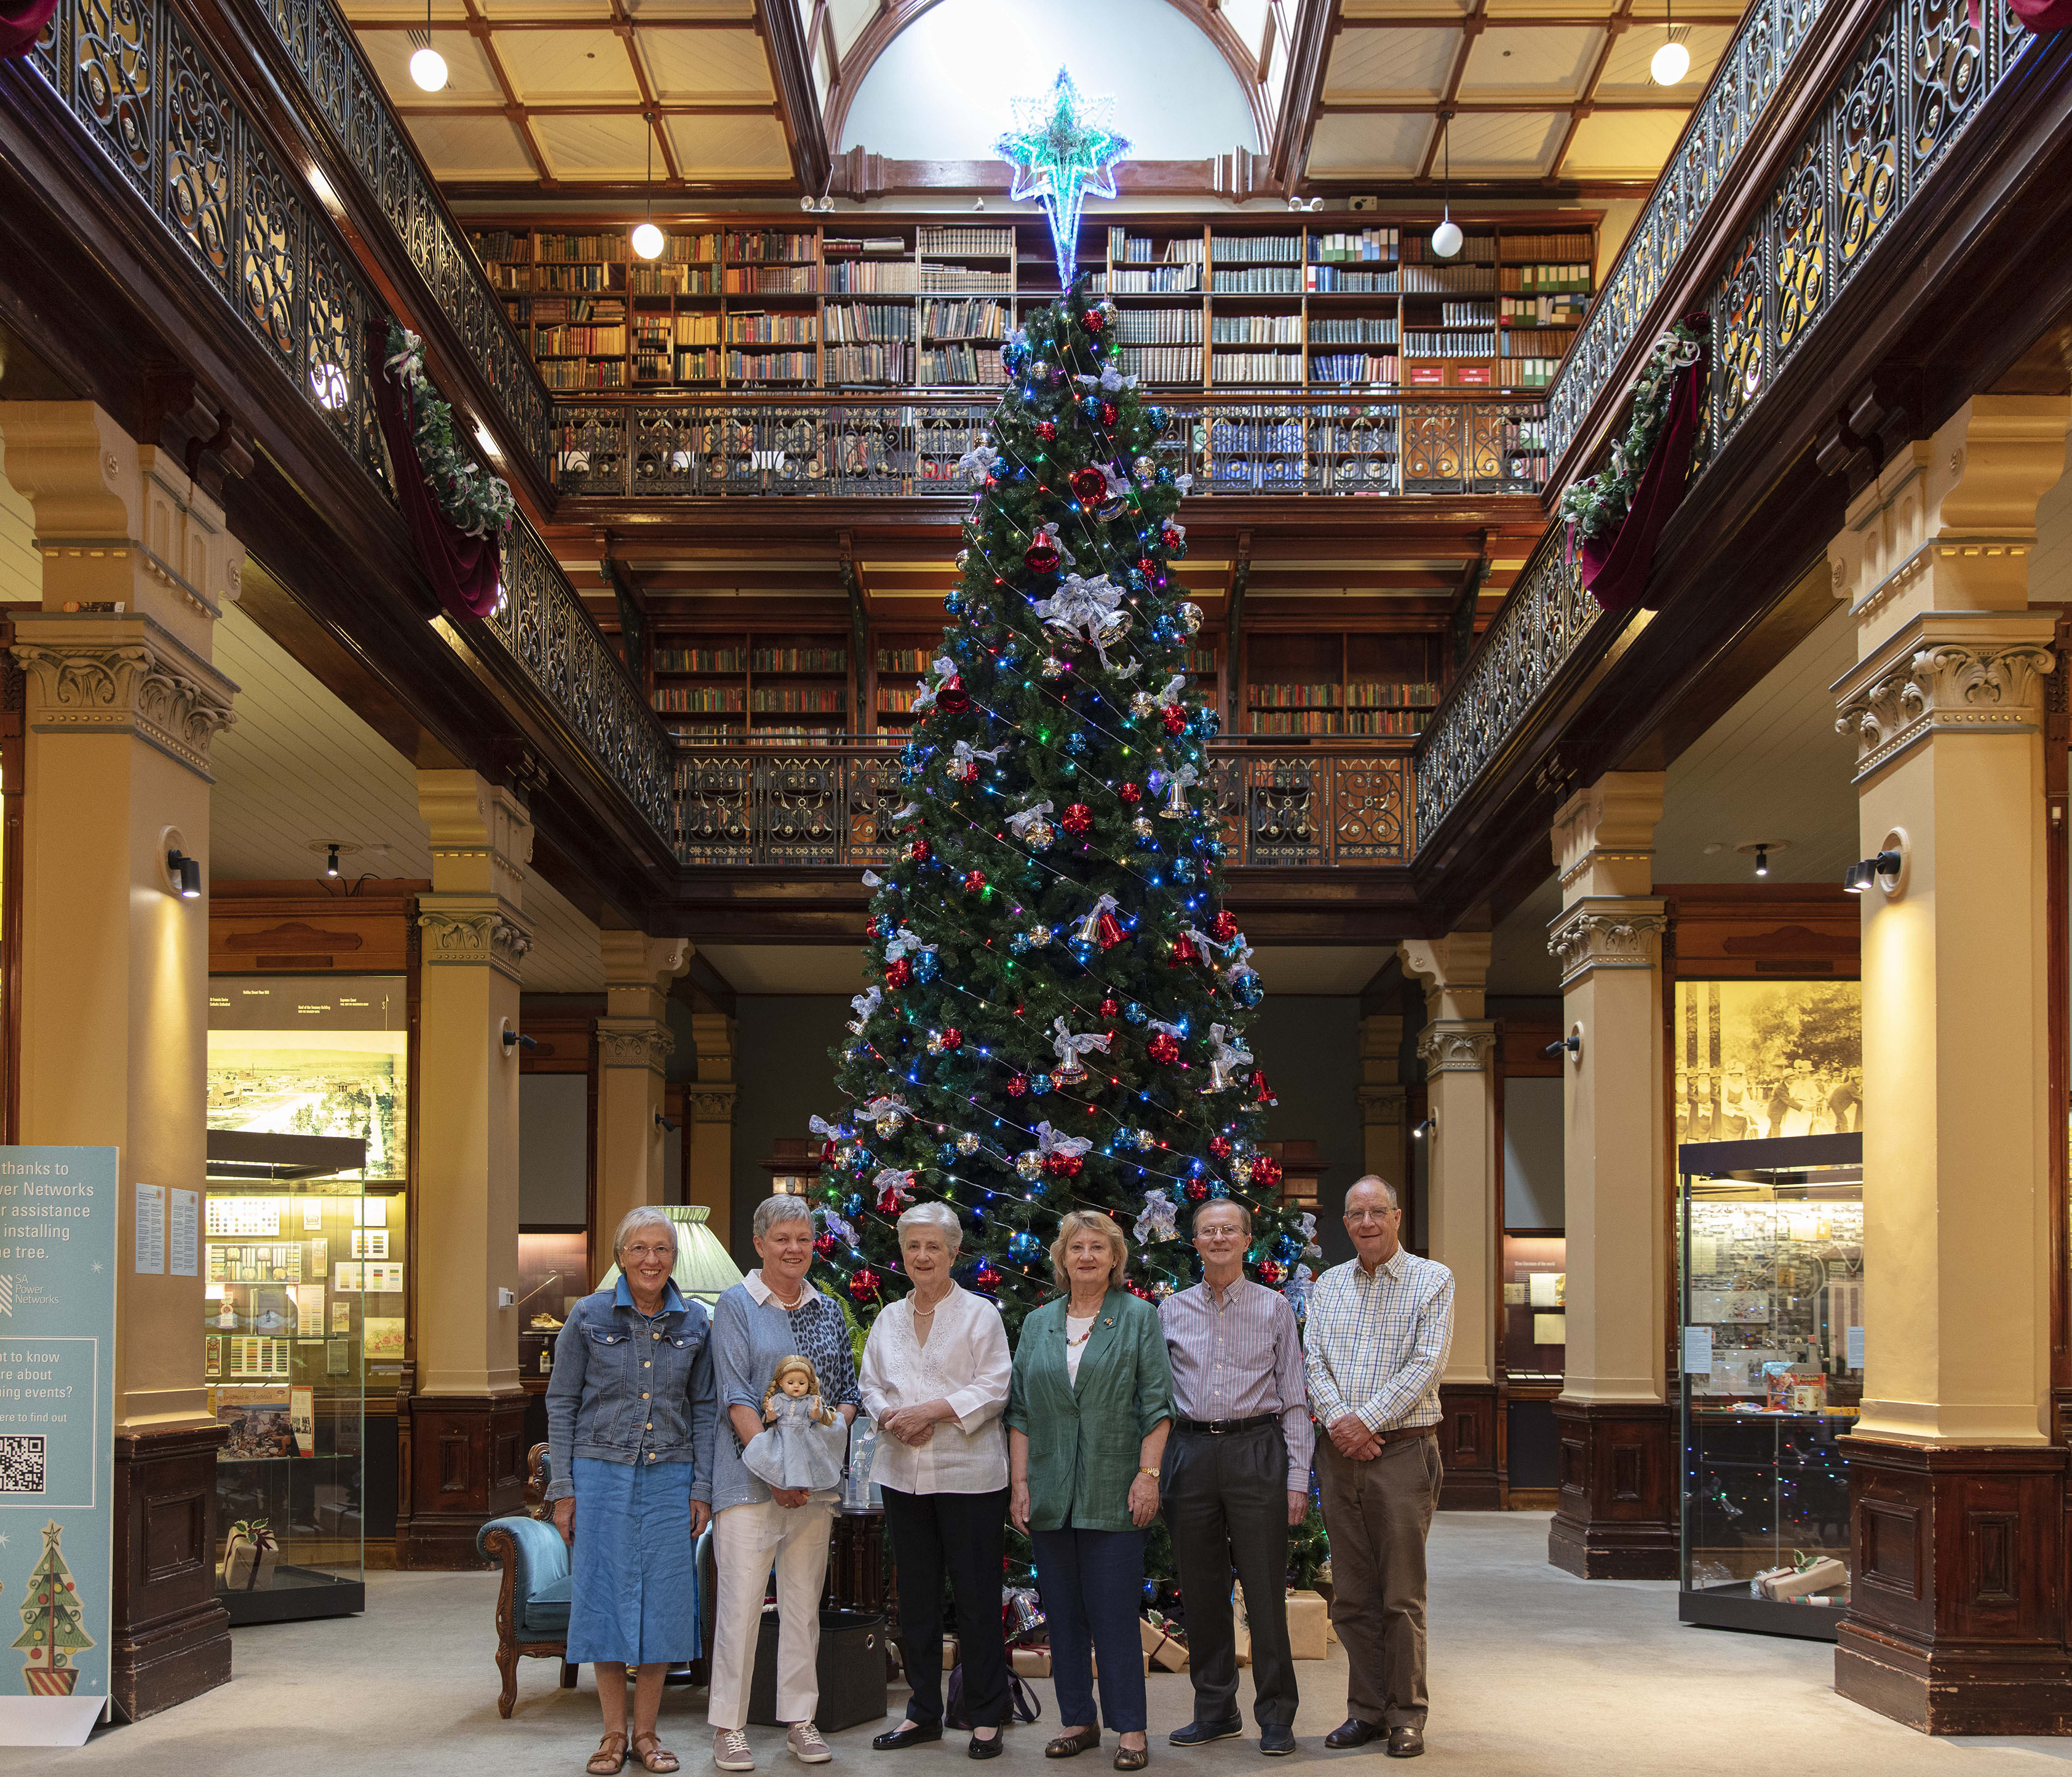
909,1732
1353,1732
1276,1741
1200,1733
987,1749
1405,1743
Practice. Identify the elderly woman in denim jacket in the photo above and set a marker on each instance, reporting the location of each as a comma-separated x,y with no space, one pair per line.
630,1413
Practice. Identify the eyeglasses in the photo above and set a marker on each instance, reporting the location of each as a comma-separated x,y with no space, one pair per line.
1359,1218
1220,1233
651,1252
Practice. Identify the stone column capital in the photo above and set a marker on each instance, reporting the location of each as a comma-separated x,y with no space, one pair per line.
1945,672
472,931
1606,932
711,1104
634,1043
1457,1045
113,672
1381,1106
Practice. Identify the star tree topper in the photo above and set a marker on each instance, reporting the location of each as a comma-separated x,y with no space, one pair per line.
1063,152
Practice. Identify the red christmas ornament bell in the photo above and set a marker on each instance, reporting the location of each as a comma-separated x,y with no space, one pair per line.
1040,557
1076,820
1108,929
826,1153
1262,1093
1184,950
1224,927
952,696
898,972
1088,486
1164,1049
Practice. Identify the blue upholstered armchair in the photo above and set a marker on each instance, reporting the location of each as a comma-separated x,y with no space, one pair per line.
533,1605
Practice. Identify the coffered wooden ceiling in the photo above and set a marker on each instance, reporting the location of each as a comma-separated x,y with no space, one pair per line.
744,96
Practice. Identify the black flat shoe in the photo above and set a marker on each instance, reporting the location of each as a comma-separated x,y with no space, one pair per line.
1276,1741
909,1732
1353,1732
987,1749
1200,1733
1071,1745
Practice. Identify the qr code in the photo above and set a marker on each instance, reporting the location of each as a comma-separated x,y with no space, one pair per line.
21,1465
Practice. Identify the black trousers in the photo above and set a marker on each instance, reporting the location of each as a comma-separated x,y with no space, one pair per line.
1226,1503
962,1534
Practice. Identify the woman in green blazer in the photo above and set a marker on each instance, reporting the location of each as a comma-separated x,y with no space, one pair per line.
1087,1418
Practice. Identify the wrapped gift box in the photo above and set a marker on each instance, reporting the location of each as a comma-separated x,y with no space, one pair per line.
1030,1662
250,1556
1309,1625
1162,1649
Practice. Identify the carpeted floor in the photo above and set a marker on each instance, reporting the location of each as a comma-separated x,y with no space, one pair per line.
1534,1674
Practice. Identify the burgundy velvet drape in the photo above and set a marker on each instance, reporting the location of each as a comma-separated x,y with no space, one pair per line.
22,23
1615,567
463,570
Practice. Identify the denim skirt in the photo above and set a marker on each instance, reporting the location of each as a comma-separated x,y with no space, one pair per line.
634,1593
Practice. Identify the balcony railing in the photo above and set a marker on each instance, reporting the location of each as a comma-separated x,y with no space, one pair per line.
830,802
135,76
851,448
1867,152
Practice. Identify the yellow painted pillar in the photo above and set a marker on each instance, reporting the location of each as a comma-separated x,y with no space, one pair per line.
1458,1047
633,1046
462,1463
1380,1096
122,702
710,1099
1946,704
1615,1517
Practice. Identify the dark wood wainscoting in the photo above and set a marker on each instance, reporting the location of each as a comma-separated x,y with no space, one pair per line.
1615,1516
461,1462
1957,1613
1467,1447
169,1639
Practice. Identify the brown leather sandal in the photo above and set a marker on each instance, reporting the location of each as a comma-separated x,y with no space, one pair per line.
610,1757
652,1754
1071,1745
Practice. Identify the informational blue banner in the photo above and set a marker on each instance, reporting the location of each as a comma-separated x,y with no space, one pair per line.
59,1217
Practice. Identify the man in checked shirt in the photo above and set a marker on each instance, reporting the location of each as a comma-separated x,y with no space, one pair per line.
1236,1476
1379,1329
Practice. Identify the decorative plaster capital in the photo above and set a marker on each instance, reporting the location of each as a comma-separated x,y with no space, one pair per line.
1453,1045
634,1043
474,937
1935,683
1607,933
1381,1105
711,1104
111,673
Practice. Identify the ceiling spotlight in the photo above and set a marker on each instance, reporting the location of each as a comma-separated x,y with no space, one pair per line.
331,863
1763,860
1423,1129
186,872
1883,869
1761,849
1672,61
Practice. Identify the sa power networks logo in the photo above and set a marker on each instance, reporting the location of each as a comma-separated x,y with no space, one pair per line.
7,1293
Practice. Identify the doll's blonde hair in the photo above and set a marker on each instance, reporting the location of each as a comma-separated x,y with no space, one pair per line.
785,1366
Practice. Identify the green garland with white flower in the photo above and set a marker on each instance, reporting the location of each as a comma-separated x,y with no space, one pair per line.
1595,506
476,503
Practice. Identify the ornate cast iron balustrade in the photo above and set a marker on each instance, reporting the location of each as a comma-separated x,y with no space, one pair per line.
1920,78
830,803
844,448
135,76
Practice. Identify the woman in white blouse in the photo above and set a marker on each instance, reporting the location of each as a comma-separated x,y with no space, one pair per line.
935,1372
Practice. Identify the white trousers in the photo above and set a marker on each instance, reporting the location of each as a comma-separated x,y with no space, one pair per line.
747,1541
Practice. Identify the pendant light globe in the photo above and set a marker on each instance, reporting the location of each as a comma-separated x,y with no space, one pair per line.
1446,239
1670,64
648,241
428,69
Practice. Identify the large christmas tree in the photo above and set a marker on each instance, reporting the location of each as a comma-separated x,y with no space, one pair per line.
1057,1000
53,1623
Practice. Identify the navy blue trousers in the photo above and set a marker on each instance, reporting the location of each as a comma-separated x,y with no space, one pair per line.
1092,1583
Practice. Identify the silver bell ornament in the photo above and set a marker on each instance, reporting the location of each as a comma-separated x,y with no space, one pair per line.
1176,808
1113,630
968,1142
1189,614
1052,667
935,1042
1068,1072
964,559
1039,834
1029,1163
844,1154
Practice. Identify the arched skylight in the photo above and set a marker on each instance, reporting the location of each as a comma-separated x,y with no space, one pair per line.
938,91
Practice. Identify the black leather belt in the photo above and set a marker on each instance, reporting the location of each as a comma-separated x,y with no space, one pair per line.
1222,1428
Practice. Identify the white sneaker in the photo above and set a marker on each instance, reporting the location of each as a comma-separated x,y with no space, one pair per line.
807,1745
730,1750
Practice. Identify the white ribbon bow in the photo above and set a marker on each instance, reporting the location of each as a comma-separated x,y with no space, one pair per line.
866,1004
1176,688
1018,824
839,1226
980,459
877,1108
1086,607
1068,1047
1159,1221
1204,941
819,1126
891,1181
1174,1031
1049,1142
872,880
903,942
1227,1052
964,753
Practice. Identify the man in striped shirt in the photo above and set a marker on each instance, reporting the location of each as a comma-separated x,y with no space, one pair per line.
1236,1476
1380,1327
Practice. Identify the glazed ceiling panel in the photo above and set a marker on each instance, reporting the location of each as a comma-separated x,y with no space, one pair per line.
711,66
718,147
1375,64
567,67
1388,145
1505,144
1623,144
593,147
1536,62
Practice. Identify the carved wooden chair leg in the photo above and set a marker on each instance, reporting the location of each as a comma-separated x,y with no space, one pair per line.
569,1675
507,1663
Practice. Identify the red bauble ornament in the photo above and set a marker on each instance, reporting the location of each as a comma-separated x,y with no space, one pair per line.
1148,567
1169,538
1262,1093
1221,1148
1195,1191
1047,430
1040,557
1077,819
824,1246
1094,320
1064,1166
920,852
1184,950
1108,1009
1089,486
1108,930
1129,793
953,1039
898,972
1108,415
952,696
1265,1172
974,880
863,1284
1224,927
985,1279
1137,1289
1017,1085
1271,1272
1164,1049
1174,717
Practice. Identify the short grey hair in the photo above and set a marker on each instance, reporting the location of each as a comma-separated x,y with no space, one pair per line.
1207,1204
644,1215
934,1215
1380,1183
784,1207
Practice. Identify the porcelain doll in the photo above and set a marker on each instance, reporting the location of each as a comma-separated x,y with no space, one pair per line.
804,1445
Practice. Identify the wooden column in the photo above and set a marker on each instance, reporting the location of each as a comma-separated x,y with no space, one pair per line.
1615,1517
634,1047
1457,1046
122,702
461,1427
709,1098
1957,1618
1381,1097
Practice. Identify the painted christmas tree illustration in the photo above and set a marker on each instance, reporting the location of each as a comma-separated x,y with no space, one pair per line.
53,1629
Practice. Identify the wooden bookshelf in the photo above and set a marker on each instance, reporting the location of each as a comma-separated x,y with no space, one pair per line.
1266,305
723,684
1319,683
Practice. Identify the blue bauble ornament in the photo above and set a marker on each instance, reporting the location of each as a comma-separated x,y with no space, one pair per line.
1183,869
1136,580
1165,477
1038,1085
924,966
1246,990
1018,943
953,602
1091,406
853,1206
1155,415
1075,744
1023,1247
1205,723
1287,1248
947,1153
1151,1591
1135,1013
1219,1189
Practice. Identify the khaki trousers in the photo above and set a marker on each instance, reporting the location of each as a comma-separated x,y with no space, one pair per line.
748,1540
1378,1514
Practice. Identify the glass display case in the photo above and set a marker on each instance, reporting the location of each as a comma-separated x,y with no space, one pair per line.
1770,1285
1535,1276
553,1275
289,1243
